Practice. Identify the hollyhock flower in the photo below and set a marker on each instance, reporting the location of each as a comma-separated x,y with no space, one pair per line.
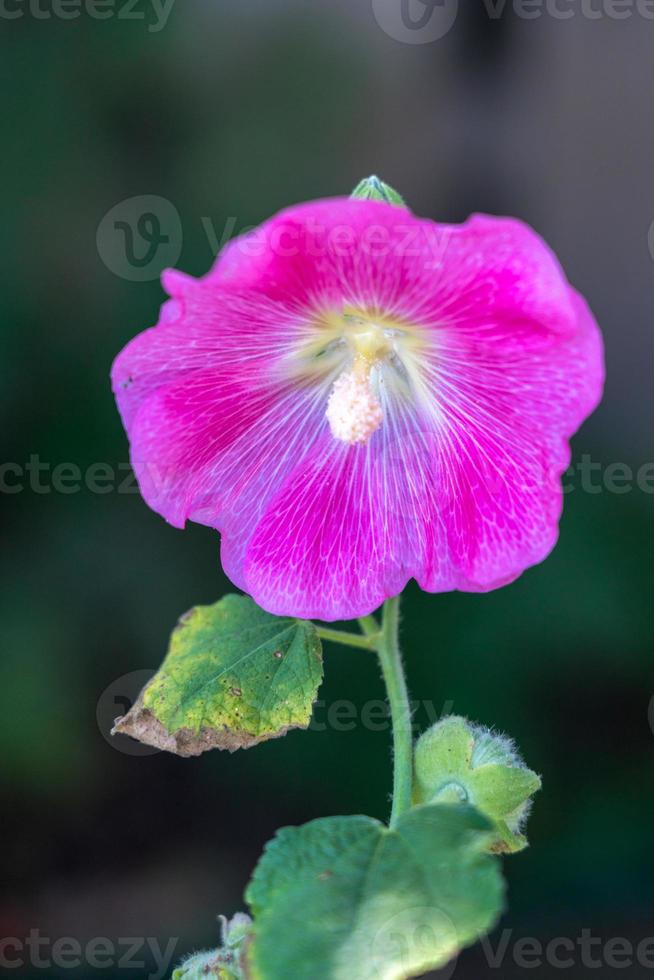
354,397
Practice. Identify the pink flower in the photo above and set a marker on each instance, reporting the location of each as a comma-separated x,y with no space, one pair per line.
356,397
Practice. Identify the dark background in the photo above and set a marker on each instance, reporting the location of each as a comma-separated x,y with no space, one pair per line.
229,112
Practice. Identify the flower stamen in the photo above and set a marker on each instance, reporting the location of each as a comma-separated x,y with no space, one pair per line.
353,410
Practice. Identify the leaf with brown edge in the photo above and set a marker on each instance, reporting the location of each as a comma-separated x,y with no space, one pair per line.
234,676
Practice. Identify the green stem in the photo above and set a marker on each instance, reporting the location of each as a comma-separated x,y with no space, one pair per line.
385,641
369,625
348,639
390,659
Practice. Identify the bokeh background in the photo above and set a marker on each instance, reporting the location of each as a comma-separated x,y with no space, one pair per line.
229,110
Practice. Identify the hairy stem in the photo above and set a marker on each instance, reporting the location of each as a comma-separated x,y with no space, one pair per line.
369,625
384,640
390,658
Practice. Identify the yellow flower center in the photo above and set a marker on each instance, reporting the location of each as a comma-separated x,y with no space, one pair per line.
368,339
351,347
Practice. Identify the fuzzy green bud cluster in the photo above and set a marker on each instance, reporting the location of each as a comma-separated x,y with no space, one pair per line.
225,963
457,761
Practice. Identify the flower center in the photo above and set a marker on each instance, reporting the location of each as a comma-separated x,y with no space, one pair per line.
368,339
359,353
353,409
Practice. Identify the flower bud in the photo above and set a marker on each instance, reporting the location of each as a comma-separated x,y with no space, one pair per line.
220,964
457,761
198,967
236,930
374,189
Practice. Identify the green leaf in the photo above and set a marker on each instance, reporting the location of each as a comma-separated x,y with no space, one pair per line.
374,189
234,676
500,790
346,898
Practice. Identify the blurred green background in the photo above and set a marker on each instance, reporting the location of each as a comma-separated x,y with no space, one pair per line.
230,111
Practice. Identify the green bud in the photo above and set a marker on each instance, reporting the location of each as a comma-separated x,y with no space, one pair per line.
225,963
236,930
459,762
198,967
374,189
